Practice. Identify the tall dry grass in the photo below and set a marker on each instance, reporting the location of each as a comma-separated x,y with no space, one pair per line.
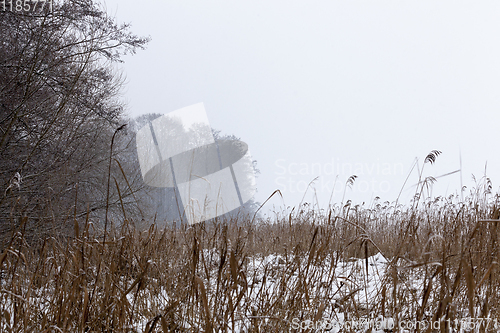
250,275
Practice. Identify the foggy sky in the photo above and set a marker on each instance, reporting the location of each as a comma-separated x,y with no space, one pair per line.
330,88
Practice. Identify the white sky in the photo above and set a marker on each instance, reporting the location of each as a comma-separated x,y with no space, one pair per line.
327,88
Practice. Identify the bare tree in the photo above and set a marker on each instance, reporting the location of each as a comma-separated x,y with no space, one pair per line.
58,111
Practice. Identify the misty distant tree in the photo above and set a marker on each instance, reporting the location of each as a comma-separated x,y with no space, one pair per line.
164,204
58,112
